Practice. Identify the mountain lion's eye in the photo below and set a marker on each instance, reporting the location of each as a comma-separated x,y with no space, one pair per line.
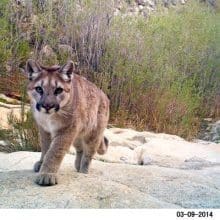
58,91
39,90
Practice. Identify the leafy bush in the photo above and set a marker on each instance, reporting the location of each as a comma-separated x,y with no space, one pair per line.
160,73
164,72
23,132
14,48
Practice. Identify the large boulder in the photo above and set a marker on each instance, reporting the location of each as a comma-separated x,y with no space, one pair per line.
176,174
133,147
9,106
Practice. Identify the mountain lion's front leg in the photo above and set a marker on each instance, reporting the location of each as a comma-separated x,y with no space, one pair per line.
52,160
45,140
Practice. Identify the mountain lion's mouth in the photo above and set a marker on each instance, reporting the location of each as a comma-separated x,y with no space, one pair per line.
42,109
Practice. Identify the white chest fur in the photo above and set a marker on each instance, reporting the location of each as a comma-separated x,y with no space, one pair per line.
47,121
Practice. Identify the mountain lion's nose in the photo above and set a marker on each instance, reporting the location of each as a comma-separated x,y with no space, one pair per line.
48,106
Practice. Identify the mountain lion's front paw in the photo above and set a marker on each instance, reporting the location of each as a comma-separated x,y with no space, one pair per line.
37,166
46,179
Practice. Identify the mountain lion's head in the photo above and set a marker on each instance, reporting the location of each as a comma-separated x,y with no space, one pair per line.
49,88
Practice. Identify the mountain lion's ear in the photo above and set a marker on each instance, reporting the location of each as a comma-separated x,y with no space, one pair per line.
67,70
32,70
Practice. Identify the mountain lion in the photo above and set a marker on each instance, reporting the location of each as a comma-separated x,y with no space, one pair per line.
68,110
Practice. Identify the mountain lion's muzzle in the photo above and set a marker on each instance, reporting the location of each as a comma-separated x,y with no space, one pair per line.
48,107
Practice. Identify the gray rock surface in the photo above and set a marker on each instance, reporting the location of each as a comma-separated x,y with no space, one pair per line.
214,133
210,131
174,174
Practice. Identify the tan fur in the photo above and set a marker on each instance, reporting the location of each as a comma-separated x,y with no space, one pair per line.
81,119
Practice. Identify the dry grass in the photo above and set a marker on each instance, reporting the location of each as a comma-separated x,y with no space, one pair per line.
161,74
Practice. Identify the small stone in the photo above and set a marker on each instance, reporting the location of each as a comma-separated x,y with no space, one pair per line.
116,12
124,159
208,119
147,161
3,143
182,2
142,2
151,3
141,7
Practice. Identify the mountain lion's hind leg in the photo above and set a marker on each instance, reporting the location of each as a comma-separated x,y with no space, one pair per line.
79,152
90,146
103,146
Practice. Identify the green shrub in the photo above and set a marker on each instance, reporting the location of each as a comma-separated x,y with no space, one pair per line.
22,135
160,73
169,61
